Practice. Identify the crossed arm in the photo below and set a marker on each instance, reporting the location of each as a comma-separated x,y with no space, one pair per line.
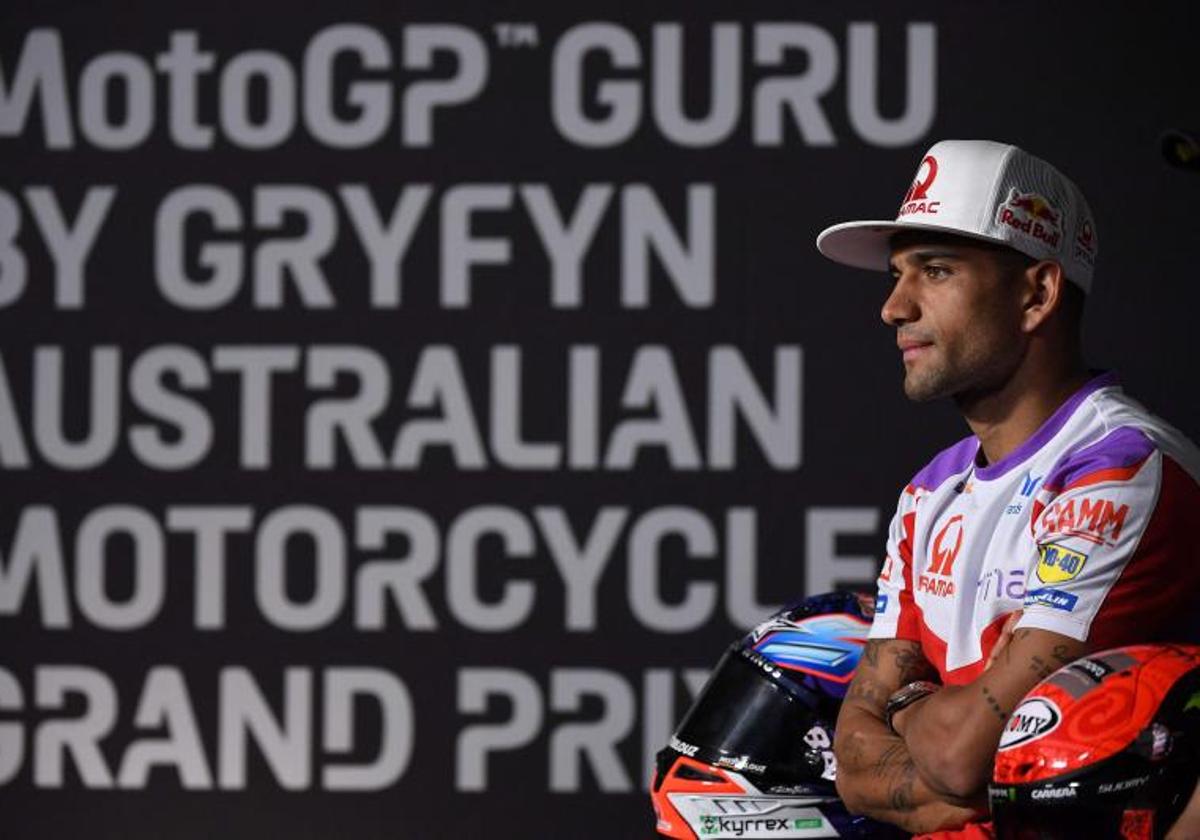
932,771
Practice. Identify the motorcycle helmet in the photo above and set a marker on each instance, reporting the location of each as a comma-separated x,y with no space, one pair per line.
1105,747
753,757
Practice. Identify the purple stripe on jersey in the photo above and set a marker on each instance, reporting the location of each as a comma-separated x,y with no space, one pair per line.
1121,448
948,463
1048,430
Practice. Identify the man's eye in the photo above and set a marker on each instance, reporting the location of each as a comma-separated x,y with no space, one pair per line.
937,271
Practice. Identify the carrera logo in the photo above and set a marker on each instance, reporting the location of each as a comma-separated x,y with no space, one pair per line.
916,200
946,546
1054,793
1058,563
1033,719
1096,520
1033,215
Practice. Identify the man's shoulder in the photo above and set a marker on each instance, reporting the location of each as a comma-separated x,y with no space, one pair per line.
948,464
1115,441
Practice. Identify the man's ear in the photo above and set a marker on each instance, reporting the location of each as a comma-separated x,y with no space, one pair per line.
1042,287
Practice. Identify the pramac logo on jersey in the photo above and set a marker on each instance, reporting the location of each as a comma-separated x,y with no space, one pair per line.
937,579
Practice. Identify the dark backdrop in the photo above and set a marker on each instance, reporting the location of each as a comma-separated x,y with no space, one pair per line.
218,615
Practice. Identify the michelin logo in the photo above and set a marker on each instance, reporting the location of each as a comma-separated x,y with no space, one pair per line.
1050,597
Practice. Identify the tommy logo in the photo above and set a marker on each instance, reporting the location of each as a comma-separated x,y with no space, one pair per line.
916,199
946,546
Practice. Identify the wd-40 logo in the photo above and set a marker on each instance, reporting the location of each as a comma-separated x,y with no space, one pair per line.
916,200
1095,520
823,645
1058,564
937,579
1034,718
1032,215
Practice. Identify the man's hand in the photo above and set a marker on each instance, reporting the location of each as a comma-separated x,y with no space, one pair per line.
876,776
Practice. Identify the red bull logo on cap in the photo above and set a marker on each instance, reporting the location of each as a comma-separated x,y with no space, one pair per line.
1032,214
916,200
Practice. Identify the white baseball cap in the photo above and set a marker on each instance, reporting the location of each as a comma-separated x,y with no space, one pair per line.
982,190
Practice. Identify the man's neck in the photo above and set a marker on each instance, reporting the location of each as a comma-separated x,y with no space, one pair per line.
1006,418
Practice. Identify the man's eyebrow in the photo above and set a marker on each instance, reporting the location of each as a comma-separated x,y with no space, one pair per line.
919,257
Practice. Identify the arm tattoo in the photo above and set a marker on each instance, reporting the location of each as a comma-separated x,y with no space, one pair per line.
913,665
885,763
871,652
869,691
896,767
994,704
1060,654
902,789
1041,667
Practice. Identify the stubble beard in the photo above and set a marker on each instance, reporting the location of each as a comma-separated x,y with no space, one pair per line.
972,377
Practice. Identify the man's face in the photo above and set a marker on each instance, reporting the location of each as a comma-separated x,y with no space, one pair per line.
957,311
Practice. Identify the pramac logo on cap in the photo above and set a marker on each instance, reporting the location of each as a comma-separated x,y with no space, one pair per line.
916,199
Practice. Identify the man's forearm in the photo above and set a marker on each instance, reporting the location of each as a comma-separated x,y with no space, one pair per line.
877,777
952,735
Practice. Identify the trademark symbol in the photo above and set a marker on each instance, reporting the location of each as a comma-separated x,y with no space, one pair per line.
516,35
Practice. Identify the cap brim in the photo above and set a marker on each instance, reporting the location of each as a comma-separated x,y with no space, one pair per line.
868,244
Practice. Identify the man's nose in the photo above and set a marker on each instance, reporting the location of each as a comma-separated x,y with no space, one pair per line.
901,305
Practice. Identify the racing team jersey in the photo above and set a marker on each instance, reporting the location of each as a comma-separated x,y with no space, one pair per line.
1090,527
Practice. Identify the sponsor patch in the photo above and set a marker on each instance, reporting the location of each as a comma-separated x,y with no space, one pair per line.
687,749
881,603
753,826
1050,597
1126,784
917,200
1033,719
1033,215
1094,519
1002,794
1054,793
1093,668
1058,563
1085,243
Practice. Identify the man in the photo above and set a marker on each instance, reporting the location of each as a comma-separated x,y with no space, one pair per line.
1058,527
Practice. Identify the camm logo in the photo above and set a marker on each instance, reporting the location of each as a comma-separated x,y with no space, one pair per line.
1093,519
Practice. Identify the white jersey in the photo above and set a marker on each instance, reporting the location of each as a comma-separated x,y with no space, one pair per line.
1085,526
